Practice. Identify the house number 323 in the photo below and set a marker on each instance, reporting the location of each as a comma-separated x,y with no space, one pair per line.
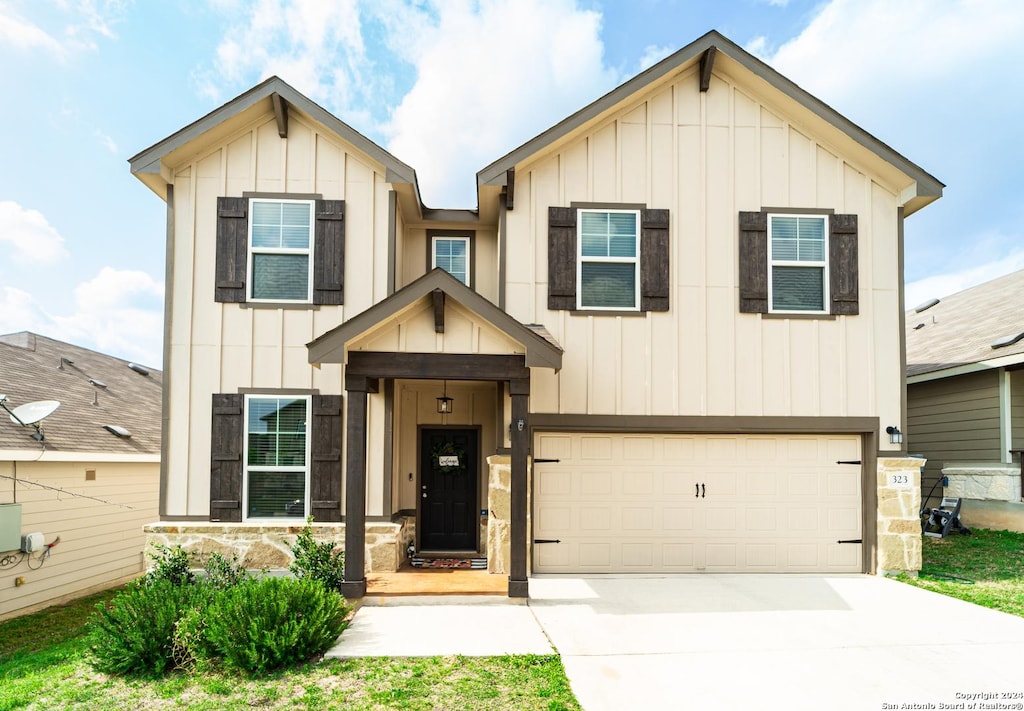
899,481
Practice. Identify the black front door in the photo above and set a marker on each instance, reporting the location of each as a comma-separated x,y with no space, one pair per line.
448,489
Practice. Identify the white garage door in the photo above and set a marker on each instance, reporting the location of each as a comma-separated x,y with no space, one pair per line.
678,503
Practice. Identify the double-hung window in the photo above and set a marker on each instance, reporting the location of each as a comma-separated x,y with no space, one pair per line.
608,262
798,262
280,250
452,255
276,457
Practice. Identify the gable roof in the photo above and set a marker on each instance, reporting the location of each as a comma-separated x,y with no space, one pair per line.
956,335
31,369
541,349
148,166
928,188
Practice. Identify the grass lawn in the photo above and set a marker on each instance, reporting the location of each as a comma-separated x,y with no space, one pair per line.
42,667
986,568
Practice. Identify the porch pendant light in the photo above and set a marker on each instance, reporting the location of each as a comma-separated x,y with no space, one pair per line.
445,404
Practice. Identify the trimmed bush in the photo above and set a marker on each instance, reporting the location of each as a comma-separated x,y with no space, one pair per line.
261,625
170,564
134,636
317,560
224,572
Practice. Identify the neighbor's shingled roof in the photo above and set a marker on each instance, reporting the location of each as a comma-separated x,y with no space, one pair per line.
29,371
961,328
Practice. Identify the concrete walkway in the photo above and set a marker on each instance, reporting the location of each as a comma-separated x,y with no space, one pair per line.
724,641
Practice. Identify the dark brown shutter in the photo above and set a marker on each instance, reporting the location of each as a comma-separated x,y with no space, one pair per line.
232,249
325,468
226,442
561,258
842,260
654,260
753,249
329,252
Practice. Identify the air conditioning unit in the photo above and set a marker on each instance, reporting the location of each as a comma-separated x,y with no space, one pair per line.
32,542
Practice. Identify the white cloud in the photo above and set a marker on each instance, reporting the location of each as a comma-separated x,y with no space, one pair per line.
465,109
20,34
106,141
653,55
28,235
118,312
941,285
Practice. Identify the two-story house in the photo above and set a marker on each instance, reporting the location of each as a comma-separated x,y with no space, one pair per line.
669,339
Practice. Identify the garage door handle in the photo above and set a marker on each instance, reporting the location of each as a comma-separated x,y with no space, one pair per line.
696,492
702,491
852,540
546,540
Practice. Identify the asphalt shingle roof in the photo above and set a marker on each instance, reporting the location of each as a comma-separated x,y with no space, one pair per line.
31,370
961,328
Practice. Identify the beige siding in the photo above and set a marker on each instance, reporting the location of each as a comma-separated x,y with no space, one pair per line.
100,544
705,157
223,347
413,258
953,420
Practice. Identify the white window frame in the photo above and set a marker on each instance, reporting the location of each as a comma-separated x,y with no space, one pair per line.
635,260
453,238
245,457
822,264
250,280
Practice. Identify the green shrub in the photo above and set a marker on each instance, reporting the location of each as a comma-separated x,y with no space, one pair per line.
317,560
134,635
224,572
170,564
266,624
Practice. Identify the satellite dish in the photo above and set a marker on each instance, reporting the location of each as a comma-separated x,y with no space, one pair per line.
32,412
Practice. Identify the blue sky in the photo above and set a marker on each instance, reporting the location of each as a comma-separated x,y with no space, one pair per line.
448,86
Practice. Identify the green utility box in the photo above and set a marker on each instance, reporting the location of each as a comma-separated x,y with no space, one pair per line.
10,527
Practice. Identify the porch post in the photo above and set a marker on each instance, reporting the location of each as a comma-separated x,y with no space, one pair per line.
356,387
519,389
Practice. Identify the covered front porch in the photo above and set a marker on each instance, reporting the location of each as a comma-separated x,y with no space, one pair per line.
437,386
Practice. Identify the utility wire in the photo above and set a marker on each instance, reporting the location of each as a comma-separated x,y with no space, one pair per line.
19,480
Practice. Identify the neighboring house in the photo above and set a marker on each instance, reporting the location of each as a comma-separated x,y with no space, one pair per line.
965,398
92,480
666,340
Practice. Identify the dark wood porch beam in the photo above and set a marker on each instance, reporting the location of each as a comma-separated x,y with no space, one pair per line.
707,62
354,585
280,114
436,366
518,585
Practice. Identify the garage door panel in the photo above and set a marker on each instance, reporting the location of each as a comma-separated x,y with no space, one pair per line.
631,503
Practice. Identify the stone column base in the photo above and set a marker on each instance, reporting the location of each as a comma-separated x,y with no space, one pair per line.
899,515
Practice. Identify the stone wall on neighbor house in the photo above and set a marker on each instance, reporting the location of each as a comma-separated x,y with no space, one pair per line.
899,515
269,546
984,481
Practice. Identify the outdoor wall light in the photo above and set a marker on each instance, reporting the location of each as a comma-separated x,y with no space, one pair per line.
895,436
445,404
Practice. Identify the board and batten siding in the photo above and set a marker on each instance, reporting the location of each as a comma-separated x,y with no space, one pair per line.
705,157
219,348
100,545
412,260
953,420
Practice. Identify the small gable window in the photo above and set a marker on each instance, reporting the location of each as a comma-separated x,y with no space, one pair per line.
280,241
609,262
452,255
799,263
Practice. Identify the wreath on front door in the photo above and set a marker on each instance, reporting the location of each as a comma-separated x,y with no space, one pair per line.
448,458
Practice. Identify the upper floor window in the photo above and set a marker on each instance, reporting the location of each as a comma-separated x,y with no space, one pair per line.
609,259
452,255
798,254
280,238
276,457
280,250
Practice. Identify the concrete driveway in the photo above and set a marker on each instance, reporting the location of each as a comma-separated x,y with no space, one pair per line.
777,642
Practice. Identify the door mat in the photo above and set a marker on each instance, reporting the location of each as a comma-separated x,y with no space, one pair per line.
450,563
